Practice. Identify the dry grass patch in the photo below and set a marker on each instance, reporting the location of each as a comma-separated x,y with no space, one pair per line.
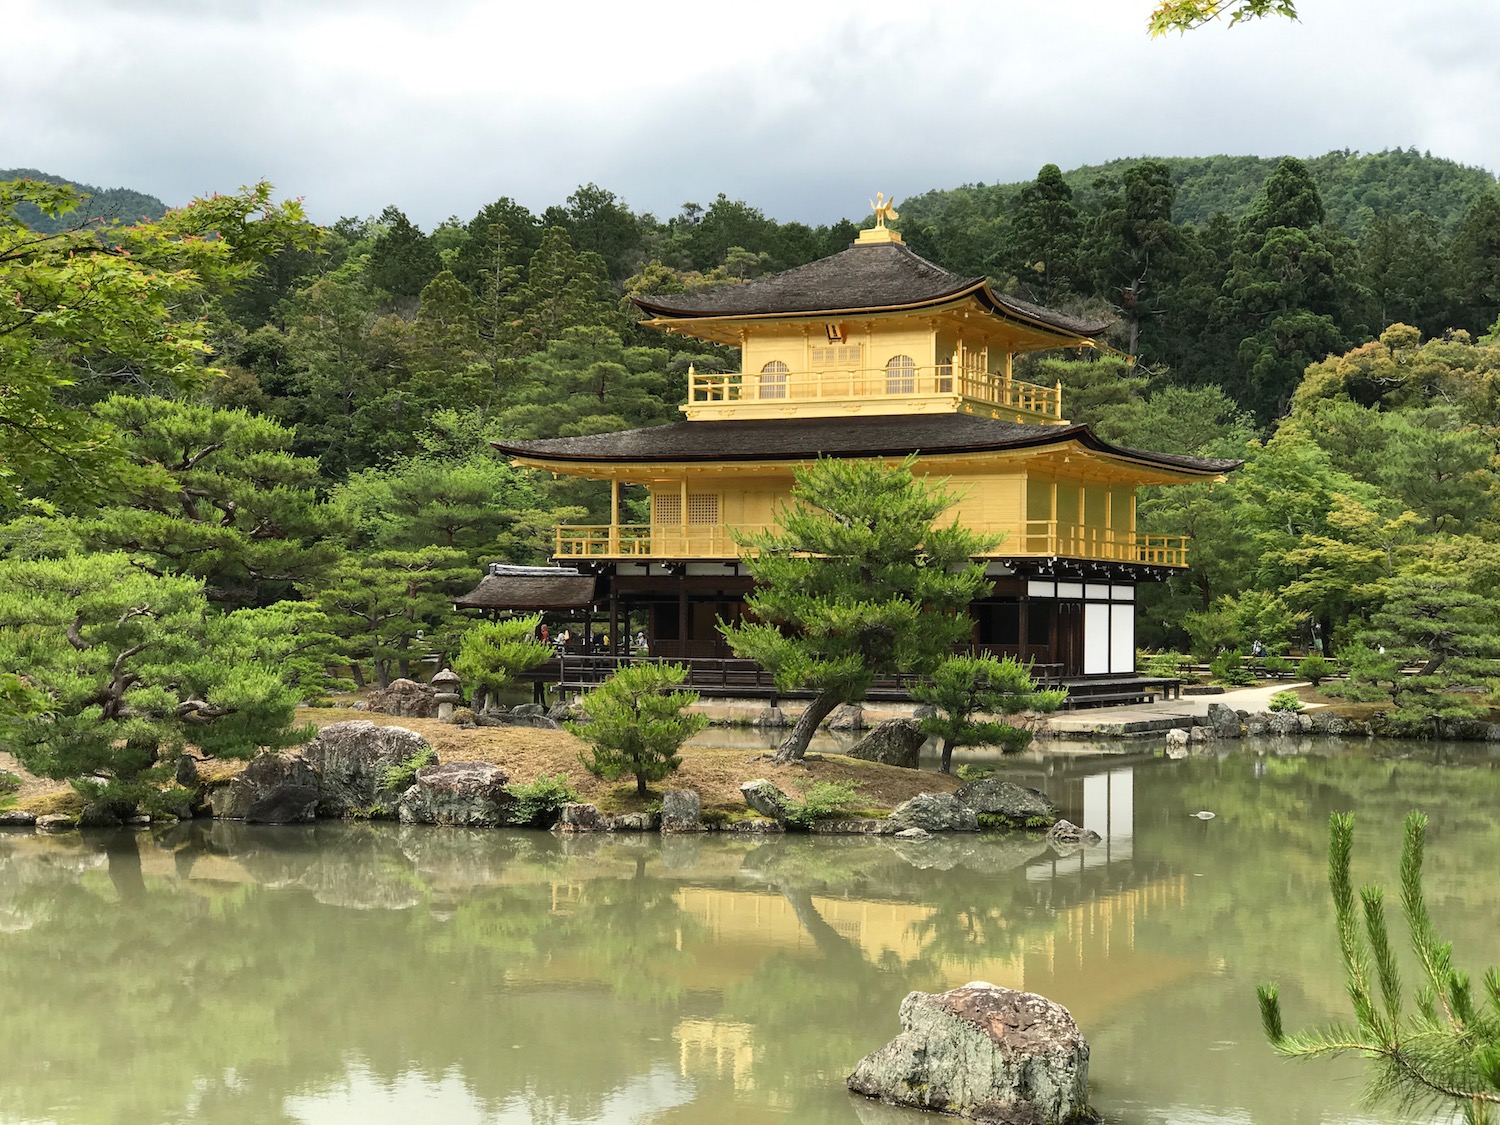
716,774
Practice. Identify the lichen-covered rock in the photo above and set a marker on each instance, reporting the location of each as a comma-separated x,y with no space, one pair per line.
936,812
286,804
914,834
1066,832
580,817
460,794
765,798
351,760
1177,737
1283,723
1225,721
267,772
993,1054
895,742
56,822
681,811
846,716
16,818
632,822
1018,805
406,698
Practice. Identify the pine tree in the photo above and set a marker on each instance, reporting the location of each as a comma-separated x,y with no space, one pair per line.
861,581
1446,1053
636,725
964,686
491,654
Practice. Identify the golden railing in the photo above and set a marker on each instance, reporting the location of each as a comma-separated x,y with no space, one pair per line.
992,388
716,541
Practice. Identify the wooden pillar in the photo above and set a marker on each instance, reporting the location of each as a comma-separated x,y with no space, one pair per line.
614,618
682,616
682,531
1109,523
614,517
1053,528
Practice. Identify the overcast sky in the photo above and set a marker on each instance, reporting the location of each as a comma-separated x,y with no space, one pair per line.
804,109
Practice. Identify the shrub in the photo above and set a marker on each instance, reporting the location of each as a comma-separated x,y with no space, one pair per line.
540,802
974,771
1165,664
1276,666
1229,668
636,723
1284,701
403,774
820,801
1316,668
9,783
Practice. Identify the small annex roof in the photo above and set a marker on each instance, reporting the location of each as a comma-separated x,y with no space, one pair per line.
796,439
865,278
529,588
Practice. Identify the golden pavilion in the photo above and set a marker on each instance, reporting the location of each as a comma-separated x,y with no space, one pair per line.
872,352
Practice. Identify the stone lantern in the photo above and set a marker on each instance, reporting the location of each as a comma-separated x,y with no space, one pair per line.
446,686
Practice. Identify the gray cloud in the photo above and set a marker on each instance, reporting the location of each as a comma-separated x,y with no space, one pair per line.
803,109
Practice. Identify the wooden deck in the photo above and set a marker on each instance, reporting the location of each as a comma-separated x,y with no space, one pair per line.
717,678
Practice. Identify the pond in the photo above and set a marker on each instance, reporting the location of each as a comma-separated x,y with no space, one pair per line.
213,972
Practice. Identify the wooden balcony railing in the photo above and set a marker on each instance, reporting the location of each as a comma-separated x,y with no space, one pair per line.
991,388
1040,538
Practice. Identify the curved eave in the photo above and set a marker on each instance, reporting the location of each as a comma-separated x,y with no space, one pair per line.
1169,469
719,327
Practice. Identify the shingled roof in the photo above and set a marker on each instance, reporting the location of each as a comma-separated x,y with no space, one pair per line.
863,278
792,439
560,590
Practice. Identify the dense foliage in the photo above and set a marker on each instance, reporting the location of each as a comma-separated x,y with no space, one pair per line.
292,425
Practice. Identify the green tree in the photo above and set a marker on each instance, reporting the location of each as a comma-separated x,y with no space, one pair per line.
216,495
635,723
90,308
1135,245
389,607
132,668
403,259
861,581
1431,618
1445,1054
1045,238
962,687
491,654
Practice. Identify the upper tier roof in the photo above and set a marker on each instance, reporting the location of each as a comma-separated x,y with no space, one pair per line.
794,439
861,279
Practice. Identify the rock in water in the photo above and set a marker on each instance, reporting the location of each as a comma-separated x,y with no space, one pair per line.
936,812
267,772
464,794
351,760
895,742
1021,807
286,804
994,1054
681,811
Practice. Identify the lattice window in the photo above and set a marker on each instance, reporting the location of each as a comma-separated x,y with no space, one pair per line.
703,507
773,379
666,507
843,356
900,375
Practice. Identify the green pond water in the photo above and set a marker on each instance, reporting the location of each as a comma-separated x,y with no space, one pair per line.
213,972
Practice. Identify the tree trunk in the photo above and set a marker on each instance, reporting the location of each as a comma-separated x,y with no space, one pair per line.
357,674
946,767
795,744
640,785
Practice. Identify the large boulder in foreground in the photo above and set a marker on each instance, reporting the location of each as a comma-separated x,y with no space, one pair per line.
895,742
267,772
766,799
988,1053
1016,805
936,812
462,794
351,760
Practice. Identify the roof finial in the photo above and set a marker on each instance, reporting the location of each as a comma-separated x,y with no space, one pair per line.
884,209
